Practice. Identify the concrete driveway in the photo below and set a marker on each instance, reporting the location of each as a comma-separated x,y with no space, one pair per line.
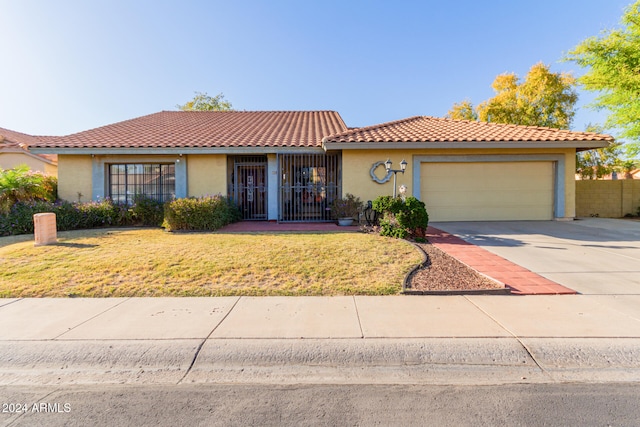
594,256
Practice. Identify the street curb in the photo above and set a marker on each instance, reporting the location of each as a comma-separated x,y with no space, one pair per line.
487,360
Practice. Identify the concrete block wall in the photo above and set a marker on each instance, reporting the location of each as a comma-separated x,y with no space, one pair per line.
607,198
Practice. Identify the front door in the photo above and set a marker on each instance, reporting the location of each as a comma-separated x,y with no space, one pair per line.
250,188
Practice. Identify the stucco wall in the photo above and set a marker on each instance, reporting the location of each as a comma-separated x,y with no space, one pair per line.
207,175
74,176
607,198
356,165
11,160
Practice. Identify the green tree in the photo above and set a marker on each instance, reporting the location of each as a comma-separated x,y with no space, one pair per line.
543,98
20,185
628,166
204,102
463,111
595,164
612,61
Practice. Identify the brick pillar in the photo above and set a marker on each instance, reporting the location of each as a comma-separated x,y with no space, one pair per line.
627,197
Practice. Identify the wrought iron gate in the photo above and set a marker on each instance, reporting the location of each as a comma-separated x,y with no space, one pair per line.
309,183
248,185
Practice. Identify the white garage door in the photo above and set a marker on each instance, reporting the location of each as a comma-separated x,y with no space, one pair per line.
495,191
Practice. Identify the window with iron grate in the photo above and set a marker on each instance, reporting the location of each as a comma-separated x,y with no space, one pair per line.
153,180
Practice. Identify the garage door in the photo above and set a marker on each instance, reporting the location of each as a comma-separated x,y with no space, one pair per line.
495,191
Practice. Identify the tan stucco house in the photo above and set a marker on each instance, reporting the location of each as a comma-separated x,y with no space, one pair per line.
14,151
290,165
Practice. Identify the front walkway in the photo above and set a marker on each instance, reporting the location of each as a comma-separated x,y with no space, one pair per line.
520,280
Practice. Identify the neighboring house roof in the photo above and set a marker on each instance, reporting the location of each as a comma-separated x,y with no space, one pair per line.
207,129
17,142
425,129
634,174
19,138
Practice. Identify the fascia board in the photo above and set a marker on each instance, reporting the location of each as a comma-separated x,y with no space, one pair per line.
176,151
450,144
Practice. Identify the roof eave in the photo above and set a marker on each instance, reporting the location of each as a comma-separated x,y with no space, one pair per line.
28,153
172,151
578,145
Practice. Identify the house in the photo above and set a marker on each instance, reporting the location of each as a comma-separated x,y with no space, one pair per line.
631,174
14,151
290,165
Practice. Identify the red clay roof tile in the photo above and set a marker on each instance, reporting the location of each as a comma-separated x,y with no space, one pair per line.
12,141
208,129
22,139
233,129
435,129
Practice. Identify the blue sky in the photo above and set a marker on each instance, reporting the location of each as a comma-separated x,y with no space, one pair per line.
71,65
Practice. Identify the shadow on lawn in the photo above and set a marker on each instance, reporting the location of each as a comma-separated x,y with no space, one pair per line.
74,245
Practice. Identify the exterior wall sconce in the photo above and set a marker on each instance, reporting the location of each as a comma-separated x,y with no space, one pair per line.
403,167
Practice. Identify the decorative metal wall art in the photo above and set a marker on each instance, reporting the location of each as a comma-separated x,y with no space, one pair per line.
374,177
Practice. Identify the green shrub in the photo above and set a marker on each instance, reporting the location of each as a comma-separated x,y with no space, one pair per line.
414,217
19,219
384,204
147,211
206,213
69,216
401,218
103,213
23,185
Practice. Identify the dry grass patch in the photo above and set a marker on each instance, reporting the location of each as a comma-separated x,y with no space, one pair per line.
151,262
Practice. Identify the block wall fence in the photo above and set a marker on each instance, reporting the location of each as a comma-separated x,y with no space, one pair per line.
607,198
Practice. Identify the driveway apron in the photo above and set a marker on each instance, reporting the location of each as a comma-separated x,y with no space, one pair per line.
594,256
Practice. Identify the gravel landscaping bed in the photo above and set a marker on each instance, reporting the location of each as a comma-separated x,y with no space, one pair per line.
442,272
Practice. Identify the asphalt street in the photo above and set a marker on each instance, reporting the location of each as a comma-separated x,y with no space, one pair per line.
325,405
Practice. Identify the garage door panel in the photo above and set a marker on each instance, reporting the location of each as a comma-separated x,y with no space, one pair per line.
487,191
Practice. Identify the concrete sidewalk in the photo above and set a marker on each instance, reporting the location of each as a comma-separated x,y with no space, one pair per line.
395,339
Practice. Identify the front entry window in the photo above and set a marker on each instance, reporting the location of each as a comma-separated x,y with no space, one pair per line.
153,180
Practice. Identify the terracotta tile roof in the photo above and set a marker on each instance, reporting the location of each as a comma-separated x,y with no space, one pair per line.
22,139
207,129
12,141
435,129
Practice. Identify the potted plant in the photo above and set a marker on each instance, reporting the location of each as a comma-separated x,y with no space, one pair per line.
346,209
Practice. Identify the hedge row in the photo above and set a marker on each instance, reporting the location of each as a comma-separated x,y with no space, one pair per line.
209,213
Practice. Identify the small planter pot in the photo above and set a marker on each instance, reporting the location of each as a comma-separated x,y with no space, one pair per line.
345,221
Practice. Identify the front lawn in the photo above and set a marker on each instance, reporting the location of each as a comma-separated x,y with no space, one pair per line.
151,262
